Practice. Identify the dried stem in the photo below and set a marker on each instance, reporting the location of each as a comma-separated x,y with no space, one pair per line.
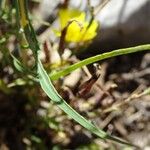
130,98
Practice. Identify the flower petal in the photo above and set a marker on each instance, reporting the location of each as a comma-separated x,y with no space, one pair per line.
66,15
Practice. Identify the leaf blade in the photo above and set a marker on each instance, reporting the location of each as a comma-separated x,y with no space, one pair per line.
49,89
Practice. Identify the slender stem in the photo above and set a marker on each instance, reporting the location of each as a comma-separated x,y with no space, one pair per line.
23,16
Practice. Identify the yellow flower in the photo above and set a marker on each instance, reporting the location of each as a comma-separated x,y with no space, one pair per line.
78,30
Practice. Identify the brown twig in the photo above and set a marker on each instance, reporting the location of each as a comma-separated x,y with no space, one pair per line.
101,6
46,51
132,97
65,4
63,34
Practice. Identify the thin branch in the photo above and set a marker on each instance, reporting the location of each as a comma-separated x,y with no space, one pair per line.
126,101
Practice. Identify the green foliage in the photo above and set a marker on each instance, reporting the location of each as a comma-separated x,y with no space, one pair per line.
52,93
36,73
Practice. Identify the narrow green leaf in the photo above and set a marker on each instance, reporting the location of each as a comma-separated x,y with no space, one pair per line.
18,65
49,89
99,57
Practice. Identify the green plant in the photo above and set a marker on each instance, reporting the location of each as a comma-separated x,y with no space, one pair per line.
38,74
